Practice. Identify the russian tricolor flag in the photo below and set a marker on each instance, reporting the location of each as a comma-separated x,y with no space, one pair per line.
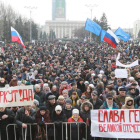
111,38
15,37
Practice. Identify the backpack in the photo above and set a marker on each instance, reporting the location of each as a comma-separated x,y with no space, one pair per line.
41,134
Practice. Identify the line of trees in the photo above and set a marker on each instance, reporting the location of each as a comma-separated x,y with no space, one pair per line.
82,33
8,18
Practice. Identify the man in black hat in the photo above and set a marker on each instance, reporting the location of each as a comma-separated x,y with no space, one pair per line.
109,104
113,65
5,74
53,76
91,64
133,73
113,78
62,71
119,83
51,102
96,102
61,78
134,85
74,88
131,92
97,70
70,79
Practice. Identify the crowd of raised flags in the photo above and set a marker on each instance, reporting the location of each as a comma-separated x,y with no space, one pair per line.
107,36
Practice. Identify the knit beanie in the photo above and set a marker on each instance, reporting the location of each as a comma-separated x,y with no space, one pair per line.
42,108
68,101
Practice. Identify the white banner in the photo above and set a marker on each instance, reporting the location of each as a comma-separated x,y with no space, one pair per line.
118,63
16,96
115,123
121,73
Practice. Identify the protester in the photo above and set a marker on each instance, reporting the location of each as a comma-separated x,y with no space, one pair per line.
74,97
85,115
120,99
42,117
129,103
7,116
3,82
68,108
96,102
14,81
35,105
74,88
74,130
70,76
58,117
109,104
51,103
25,115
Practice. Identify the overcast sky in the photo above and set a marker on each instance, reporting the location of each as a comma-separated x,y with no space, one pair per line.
120,13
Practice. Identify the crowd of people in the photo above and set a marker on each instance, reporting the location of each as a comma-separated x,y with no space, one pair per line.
69,81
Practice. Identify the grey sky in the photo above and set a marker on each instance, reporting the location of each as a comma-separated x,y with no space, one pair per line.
120,13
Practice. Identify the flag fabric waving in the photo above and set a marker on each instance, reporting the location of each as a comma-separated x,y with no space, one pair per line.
93,27
15,37
122,34
111,38
103,32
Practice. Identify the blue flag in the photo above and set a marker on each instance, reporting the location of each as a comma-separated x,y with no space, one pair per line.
103,32
93,27
120,33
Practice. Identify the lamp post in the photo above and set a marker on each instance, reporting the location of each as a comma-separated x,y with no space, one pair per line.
90,6
30,9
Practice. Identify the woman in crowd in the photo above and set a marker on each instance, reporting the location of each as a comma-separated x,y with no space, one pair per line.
74,97
88,92
3,82
85,115
74,126
57,118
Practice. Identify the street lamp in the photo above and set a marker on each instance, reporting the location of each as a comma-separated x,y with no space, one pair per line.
30,9
90,6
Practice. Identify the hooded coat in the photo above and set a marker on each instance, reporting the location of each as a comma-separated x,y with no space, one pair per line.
81,86
126,106
85,115
39,118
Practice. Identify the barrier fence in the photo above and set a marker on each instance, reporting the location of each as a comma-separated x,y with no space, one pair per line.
66,126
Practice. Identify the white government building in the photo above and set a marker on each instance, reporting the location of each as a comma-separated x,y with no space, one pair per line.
136,28
63,28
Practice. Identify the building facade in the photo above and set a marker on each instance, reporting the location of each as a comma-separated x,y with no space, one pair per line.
136,28
63,29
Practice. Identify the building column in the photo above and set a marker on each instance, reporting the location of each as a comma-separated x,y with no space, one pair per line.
62,31
55,30
70,32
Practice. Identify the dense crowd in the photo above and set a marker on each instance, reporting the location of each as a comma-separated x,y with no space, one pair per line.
69,81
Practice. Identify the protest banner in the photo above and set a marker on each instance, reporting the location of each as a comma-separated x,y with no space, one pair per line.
16,96
115,123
